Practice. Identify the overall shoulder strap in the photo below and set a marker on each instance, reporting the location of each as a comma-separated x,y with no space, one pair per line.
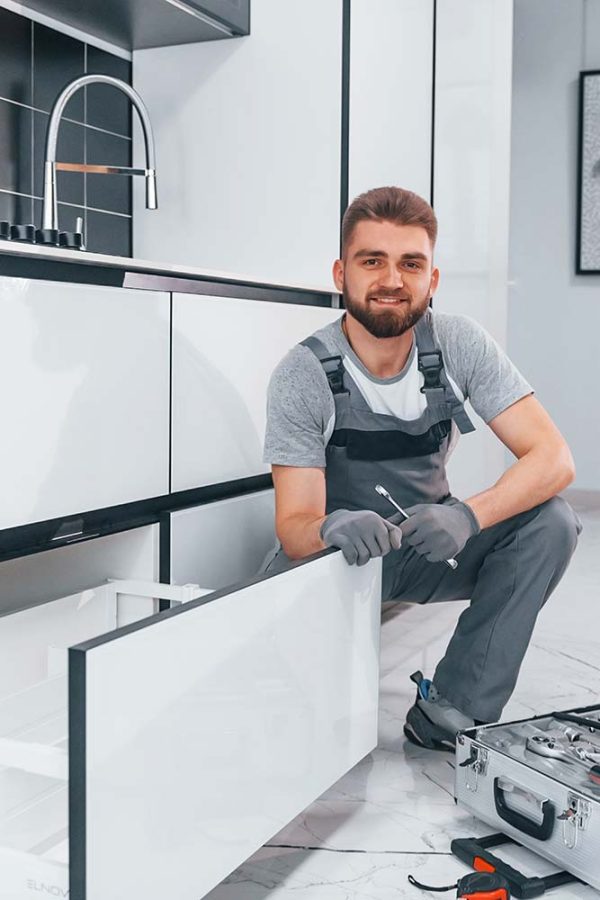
436,383
333,365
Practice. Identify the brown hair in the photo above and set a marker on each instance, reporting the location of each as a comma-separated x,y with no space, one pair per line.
389,204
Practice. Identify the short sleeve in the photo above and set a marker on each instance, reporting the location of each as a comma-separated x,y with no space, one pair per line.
299,408
479,366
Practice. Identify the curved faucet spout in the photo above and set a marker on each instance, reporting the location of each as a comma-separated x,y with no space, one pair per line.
50,207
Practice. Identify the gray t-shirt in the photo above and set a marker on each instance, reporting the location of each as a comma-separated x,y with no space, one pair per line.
301,409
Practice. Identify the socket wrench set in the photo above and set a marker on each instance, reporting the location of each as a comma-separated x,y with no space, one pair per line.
538,782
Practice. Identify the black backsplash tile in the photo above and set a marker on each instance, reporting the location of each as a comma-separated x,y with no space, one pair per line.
57,60
108,234
110,192
107,106
15,209
36,62
15,57
15,148
71,148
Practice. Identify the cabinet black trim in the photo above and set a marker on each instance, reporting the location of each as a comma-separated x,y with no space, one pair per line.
164,554
25,540
113,276
77,775
433,88
345,136
233,289
56,270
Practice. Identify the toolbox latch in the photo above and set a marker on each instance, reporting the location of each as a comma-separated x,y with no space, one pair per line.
476,765
574,819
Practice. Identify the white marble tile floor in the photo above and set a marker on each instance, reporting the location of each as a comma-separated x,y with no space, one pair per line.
394,813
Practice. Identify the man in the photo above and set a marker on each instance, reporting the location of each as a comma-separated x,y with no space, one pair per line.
377,398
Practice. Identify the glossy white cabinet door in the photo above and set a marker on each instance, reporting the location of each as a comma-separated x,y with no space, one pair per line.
224,352
248,146
391,74
222,543
208,728
85,398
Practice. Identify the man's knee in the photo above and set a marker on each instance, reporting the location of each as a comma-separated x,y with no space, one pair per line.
560,527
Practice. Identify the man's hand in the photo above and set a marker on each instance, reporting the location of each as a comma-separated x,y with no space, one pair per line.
360,535
439,531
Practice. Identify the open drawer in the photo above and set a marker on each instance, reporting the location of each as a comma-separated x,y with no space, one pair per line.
155,756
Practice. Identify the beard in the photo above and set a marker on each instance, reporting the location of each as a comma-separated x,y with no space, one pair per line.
386,323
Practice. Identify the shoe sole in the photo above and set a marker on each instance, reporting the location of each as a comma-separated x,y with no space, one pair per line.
422,732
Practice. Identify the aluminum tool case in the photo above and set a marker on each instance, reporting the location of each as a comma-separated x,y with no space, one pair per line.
535,781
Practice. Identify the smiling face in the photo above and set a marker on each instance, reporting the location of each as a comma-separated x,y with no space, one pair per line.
386,276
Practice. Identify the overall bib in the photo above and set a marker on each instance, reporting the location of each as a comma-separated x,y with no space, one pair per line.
366,448
507,571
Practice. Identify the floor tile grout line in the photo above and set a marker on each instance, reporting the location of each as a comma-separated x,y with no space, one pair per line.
380,852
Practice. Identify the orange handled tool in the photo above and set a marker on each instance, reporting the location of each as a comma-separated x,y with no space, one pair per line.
475,886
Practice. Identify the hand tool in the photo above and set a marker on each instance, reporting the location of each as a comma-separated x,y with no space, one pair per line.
476,886
382,491
475,853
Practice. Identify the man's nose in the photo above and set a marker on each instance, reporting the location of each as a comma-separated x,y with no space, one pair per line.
393,278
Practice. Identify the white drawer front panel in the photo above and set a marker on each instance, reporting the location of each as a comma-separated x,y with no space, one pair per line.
209,730
222,543
224,352
85,375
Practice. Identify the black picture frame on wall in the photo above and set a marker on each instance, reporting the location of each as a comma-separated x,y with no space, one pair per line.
587,250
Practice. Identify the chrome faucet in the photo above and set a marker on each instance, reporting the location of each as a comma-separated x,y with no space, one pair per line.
49,229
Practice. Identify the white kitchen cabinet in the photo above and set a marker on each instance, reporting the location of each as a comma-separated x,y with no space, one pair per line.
175,745
391,96
224,542
224,351
248,136
85,387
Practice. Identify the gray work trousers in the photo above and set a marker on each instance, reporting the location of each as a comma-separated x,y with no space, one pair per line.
508,572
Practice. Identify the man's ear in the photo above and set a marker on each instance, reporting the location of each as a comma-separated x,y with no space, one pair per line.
435,280
338,274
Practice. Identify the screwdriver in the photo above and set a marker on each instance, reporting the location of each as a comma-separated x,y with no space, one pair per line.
381,490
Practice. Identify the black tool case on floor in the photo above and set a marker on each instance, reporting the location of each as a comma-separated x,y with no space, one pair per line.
538,781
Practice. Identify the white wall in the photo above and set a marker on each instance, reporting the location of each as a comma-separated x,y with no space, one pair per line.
248,146
554,315
471,190
391,75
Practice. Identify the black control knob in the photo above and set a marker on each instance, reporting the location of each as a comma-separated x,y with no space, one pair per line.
47,236
23,233
71,239
4,230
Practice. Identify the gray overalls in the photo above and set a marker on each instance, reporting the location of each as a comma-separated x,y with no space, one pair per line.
508,570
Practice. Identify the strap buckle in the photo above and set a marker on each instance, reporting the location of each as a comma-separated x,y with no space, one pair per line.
334,373
430,364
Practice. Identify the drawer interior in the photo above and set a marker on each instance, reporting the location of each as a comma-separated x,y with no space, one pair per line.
34,723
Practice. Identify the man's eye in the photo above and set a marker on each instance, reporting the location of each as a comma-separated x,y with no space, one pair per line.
412,265
371,262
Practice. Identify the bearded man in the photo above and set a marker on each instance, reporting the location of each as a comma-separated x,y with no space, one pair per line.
377,397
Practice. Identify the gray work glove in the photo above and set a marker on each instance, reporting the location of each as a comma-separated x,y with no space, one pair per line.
360,534
439,531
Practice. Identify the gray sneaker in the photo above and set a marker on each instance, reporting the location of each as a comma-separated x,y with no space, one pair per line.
432,721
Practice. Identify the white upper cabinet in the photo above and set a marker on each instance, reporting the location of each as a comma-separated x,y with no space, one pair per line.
224,352
85,384
391,75
248,143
